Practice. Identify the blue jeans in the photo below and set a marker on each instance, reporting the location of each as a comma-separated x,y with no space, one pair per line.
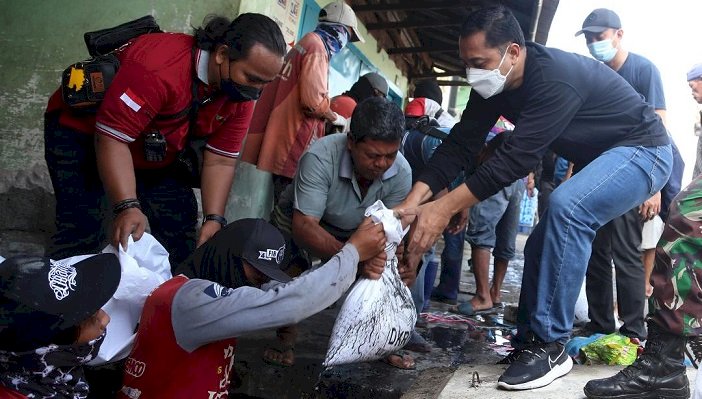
557,251
417,289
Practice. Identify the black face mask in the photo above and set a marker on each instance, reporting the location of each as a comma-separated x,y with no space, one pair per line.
237,92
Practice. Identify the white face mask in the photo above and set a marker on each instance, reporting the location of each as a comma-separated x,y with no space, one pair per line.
488,82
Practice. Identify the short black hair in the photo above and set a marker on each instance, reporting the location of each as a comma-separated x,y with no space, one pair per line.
377,118
240,35
498,23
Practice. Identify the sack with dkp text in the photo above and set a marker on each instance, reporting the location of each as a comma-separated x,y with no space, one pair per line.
377,316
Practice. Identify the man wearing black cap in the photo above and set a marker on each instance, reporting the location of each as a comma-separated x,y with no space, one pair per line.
187,337
51,323
369,85
620,240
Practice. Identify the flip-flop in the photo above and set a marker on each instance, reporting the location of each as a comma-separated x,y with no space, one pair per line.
386,360
279,351
466,309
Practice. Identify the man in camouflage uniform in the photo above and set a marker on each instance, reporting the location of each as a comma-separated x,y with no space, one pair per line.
676,309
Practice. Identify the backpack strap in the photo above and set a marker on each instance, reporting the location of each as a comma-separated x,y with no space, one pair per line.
433,132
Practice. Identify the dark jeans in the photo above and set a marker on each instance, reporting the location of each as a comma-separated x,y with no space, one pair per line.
617,241
167,201
451,262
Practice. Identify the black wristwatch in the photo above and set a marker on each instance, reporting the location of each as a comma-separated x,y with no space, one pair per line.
217,218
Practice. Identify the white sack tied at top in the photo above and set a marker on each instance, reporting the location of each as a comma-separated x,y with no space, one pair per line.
377,316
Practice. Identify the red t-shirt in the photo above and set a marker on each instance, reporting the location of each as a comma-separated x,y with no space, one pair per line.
155,77
159,368
7,393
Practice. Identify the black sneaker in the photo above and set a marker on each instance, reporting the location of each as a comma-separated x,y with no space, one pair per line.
536,366
510,358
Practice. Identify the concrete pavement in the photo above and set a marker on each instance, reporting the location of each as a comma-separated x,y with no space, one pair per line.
568,386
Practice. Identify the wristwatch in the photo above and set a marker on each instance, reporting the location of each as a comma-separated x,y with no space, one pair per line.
217,218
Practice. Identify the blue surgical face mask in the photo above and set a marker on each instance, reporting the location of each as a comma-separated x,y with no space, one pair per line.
603,50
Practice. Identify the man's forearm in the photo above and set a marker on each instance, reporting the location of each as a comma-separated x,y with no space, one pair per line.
217,177
115,165
312,237
419,194
457,200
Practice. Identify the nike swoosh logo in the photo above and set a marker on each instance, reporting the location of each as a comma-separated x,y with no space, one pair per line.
552,362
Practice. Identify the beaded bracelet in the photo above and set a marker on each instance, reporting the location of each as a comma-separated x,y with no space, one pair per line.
126,204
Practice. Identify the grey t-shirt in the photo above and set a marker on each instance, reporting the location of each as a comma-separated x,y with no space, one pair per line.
325,186
204,311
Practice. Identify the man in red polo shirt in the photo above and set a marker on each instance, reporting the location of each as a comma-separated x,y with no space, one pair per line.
169,90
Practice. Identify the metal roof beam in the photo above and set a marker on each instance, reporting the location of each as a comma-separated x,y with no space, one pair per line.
422,49
412,5
444,74
409,24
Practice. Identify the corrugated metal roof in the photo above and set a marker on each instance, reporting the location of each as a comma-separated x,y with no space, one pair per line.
421,36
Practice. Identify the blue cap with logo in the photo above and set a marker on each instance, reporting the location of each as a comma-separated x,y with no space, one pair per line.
599,21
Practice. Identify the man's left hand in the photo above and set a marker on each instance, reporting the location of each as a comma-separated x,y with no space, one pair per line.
430,220
651,207
458,222
408,272
209,228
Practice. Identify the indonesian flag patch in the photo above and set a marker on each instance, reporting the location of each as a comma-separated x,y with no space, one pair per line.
132,100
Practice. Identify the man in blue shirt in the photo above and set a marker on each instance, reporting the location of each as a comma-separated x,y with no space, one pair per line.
620,239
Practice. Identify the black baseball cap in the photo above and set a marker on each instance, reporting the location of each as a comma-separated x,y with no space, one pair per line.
65,294
260,244
600,20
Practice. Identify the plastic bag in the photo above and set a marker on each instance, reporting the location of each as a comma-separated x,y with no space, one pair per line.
377,316
145,266
612,349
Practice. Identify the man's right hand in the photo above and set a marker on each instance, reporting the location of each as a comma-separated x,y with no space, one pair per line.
368,239
130,221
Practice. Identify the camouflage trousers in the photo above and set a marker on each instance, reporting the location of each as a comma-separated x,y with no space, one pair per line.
676,304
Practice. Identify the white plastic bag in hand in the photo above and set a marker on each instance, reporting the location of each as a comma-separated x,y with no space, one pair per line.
145,266
377,316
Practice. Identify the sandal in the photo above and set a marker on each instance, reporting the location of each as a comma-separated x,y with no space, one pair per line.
280,359
405,362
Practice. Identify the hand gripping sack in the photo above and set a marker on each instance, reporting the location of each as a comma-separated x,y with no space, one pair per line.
377,316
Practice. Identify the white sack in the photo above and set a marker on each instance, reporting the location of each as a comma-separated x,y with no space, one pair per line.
377,316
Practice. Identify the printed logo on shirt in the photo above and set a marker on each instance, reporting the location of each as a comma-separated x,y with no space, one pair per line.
62,279
273,254
132,100
134,367
215,290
